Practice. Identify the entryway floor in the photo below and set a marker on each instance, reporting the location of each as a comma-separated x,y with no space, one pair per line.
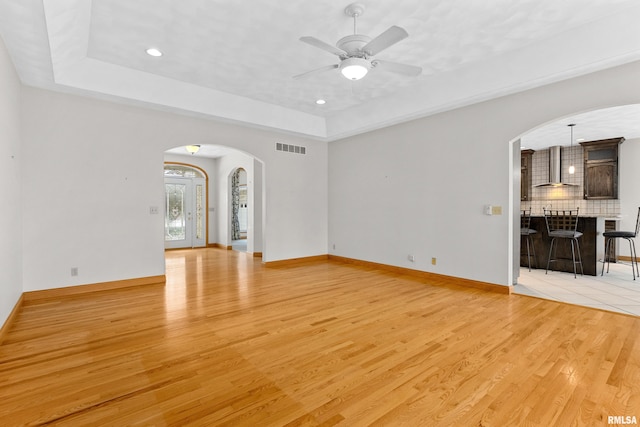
239,245
615,291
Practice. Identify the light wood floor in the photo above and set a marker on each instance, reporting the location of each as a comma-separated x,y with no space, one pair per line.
230,342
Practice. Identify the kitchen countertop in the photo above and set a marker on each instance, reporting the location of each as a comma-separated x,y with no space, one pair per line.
607,217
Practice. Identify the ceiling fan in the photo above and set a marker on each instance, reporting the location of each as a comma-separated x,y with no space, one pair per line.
356,51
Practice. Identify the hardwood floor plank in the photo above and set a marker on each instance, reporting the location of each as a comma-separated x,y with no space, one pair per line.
228,341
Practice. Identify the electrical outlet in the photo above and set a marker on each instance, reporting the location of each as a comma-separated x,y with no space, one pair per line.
411,258
433,261
153,210
74,271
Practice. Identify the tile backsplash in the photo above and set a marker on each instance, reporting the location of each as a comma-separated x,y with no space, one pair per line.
565,197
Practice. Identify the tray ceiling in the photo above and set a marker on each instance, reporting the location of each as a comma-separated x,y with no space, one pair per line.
234,61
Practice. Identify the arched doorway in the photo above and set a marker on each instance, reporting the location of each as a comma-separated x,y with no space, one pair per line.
619,212
185,221
220,163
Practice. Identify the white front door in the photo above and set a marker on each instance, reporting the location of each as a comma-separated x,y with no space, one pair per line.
184,213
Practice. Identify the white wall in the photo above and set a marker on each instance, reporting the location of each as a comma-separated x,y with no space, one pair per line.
91,173
10,172
419,188
629,191
93,169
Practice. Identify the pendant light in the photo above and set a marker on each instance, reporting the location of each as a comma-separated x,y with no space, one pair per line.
193,149
572,168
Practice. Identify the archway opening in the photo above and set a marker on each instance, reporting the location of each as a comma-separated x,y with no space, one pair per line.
219,164
592,129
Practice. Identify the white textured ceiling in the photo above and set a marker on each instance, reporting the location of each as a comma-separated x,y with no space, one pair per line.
622,121
235,60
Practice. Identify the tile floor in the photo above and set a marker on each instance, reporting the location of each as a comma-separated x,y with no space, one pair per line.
615,291
239,245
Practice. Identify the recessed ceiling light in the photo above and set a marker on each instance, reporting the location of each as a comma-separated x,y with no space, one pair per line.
154,52
321,102
579,139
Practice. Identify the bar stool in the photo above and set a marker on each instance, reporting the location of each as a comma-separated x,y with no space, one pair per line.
563,225
629,236
527,232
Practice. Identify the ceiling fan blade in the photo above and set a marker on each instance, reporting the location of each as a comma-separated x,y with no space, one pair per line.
390,37
322,45
394,67
318,70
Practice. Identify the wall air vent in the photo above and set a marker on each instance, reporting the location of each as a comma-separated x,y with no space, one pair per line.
290,148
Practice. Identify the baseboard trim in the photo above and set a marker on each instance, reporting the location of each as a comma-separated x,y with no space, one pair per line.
296,261
7,324
229,248
625,258
94,287
219,246
433,278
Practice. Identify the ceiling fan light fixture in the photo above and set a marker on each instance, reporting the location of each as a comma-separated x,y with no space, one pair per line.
354,68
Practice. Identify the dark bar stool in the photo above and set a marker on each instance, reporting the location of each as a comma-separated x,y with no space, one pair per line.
629,236
564,225
527,232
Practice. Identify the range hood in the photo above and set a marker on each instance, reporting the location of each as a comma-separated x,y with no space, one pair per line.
555,169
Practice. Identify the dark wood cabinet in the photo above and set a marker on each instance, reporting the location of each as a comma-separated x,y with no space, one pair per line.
526,157
601,168
600,181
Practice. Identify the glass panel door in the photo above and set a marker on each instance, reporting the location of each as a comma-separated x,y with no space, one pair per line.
185,218
177,213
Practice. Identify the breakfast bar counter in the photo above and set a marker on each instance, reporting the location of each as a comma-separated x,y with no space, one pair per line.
591,246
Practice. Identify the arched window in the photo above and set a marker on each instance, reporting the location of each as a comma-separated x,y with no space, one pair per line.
183,171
